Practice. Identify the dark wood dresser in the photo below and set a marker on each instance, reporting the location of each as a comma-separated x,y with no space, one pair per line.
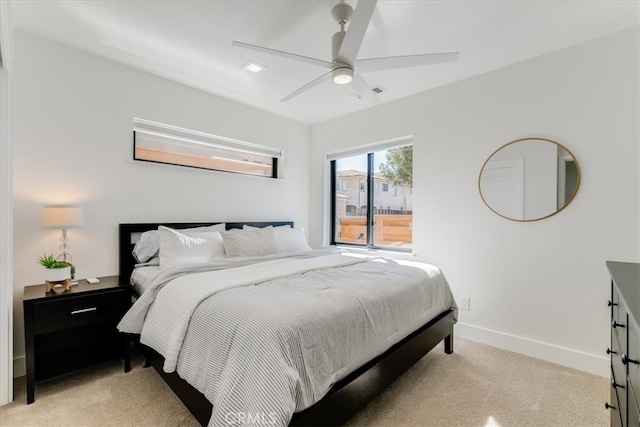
625,344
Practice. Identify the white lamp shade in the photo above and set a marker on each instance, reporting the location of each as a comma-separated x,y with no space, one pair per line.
62,217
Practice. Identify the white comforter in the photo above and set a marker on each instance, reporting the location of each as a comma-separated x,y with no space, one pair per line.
264,340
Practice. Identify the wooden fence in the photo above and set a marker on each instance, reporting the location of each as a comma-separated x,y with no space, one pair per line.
389,230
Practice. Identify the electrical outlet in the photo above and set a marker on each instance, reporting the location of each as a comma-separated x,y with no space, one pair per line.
465,303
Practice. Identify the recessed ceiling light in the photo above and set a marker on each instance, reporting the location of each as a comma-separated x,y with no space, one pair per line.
254,67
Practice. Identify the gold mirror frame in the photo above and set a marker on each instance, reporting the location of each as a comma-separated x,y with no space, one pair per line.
558,209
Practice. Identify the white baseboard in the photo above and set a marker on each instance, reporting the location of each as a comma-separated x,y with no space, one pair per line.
19,366
594,364
598,365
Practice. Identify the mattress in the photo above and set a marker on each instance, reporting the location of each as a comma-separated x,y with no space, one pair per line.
264,339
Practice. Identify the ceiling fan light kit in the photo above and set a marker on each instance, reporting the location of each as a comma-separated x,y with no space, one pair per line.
342,75
345,68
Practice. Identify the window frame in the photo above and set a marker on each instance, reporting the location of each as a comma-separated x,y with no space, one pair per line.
182,135
369,150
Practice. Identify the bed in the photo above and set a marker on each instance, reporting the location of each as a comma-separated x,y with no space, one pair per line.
296,301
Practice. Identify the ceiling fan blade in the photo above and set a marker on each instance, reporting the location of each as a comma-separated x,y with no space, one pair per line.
391,62
293,56
362,88
311,84
355,33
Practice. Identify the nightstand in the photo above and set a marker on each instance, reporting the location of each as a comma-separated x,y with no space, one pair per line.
69,330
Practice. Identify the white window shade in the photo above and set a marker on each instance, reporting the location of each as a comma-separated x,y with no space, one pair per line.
363,149
156,142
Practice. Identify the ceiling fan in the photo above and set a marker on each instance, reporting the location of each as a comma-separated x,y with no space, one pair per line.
345,68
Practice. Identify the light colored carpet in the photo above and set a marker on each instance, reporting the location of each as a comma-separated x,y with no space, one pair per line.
478,386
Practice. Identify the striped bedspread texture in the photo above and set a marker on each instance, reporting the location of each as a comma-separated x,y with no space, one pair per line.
263,338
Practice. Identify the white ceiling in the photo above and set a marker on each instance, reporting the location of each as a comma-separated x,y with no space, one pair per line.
190,41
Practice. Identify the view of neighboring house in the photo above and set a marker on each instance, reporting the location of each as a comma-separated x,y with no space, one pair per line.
351,194
392,214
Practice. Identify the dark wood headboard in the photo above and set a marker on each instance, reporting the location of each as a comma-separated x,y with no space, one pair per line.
128,235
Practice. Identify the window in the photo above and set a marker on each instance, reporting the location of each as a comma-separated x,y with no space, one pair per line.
355,218
159,143
345,185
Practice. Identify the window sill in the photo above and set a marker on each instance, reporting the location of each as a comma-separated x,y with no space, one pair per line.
385,252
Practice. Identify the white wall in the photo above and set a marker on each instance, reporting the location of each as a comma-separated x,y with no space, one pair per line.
6,210
538,288
72,126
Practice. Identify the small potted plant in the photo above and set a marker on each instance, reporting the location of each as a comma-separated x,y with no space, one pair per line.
56,271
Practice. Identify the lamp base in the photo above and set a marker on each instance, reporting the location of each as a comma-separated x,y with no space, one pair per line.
49,285
65,257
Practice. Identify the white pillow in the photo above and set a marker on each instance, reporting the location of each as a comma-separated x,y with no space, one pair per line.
178,248
246,243
148,245
291,240
287,239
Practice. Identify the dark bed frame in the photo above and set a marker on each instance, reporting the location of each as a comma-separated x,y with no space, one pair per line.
347,396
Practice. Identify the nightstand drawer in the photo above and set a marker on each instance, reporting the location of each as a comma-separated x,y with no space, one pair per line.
77,311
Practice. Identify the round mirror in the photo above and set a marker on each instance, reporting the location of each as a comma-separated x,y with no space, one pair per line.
529,179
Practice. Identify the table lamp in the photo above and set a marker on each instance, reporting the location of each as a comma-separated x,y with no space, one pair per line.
63,217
